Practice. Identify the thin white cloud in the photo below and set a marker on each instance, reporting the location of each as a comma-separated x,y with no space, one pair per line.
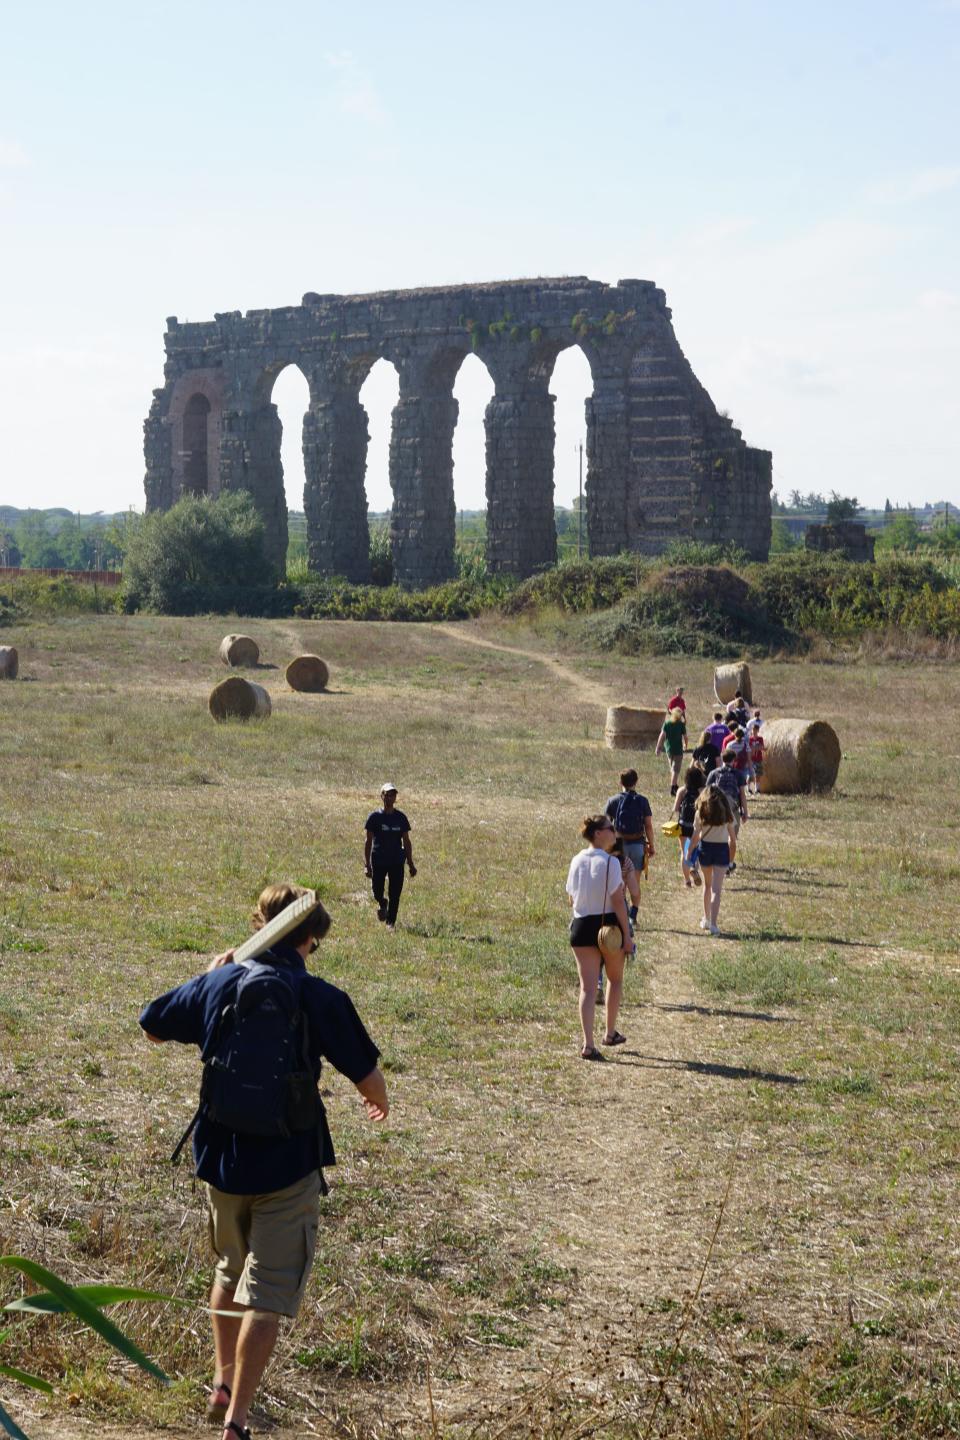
12,155
921,185
356,93
938,300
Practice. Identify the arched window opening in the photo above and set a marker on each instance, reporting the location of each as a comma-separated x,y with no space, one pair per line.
571,384
473,391
291,397
195,471
379,394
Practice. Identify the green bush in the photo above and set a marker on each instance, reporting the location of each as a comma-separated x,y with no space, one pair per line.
691,610
25,596
829,595
203,555
381,556
336,598
580,586
699,552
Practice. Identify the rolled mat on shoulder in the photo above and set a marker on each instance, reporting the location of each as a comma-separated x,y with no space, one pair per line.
9,662
239,650
633,727
798,755
308,672
728,679
239,699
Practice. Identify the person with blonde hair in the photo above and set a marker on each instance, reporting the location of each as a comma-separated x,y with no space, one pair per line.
714,832
261,1140
672,739
595,890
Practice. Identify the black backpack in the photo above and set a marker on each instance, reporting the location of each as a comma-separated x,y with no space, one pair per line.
628,813
257,1075
728,784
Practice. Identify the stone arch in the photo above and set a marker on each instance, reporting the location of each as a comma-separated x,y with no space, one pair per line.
378,394
196,418
661,461
291,398
571,385
473,389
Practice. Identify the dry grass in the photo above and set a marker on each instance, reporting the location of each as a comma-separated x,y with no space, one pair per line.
522,1250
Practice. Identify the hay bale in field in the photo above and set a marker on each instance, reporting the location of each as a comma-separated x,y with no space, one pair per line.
239,650
308,672
239,699
9,662
728,679
799,755
633,727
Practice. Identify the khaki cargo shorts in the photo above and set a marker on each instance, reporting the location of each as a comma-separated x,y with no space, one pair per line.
265,1244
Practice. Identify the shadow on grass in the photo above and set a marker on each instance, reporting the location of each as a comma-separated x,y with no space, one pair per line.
705,1067
786,873
725,1014
784,938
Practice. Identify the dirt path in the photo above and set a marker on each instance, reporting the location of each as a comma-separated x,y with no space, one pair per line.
584,689
612,1185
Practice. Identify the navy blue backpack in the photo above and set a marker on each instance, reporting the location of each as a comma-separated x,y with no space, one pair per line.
257,1074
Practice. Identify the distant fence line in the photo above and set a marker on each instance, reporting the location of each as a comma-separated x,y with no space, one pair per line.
89,577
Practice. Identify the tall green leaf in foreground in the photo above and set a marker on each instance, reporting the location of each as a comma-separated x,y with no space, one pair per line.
79,1300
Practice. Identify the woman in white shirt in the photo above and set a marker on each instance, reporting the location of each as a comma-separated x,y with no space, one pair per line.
716,835
595,888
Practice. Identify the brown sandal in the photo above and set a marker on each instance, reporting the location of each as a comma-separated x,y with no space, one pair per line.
615,1039
590,1052
216,1413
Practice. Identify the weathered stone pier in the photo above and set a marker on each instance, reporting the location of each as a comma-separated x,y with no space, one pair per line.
662,463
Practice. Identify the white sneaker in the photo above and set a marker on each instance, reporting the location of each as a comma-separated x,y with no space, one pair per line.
703,922
714,929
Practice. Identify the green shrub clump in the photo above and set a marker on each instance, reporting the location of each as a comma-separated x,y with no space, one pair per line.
335,598
203,555
26,596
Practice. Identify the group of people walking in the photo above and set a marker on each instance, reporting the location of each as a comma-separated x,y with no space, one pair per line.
709,808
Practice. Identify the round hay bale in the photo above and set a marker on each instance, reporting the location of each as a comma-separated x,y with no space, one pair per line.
799,755
9,662
239,650
239,699
308,672
728,679
633,727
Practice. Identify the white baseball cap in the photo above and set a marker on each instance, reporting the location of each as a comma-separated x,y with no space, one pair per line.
387,786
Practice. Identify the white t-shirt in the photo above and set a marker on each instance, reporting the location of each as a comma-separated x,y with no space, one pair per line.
588,872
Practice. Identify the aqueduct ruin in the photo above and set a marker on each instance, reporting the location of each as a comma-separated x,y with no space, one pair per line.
662,463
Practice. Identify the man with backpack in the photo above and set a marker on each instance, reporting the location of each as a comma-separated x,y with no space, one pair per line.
632,822
261,1139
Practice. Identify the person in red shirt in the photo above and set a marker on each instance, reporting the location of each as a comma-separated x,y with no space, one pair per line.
677,702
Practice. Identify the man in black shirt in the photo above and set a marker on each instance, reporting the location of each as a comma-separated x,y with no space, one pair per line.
386,849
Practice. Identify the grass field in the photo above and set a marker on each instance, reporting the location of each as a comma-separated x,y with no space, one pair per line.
744,1224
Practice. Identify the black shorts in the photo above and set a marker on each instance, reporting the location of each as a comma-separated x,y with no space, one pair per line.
686,831
584,929
714,852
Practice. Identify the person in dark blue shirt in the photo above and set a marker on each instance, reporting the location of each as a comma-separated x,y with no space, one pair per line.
263,1191
385,851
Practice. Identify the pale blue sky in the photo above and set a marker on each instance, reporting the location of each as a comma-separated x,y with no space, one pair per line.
789,175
